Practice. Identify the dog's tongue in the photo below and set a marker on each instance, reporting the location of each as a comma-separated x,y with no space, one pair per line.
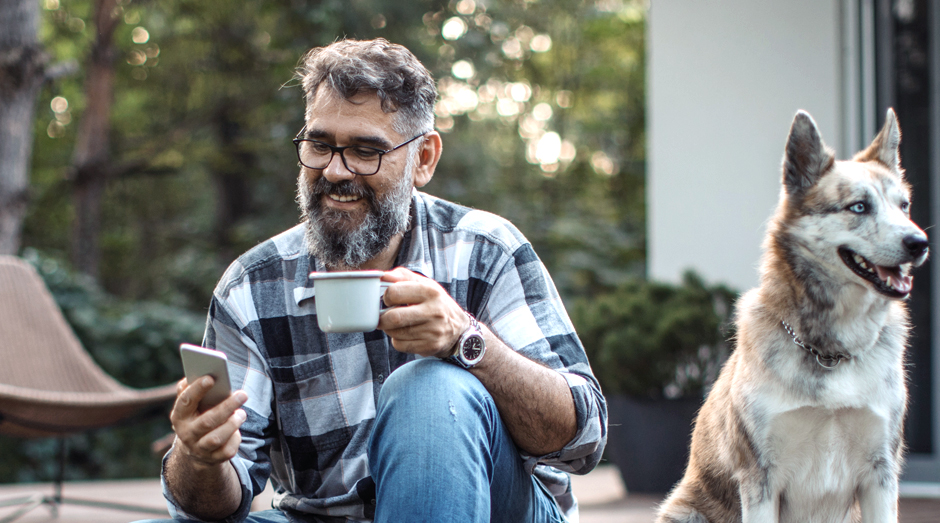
892,276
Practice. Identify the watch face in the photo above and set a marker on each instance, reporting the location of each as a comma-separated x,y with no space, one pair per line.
473,348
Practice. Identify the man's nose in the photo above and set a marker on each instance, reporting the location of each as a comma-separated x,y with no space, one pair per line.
336,170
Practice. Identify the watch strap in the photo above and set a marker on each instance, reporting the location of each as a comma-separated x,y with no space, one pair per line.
473,331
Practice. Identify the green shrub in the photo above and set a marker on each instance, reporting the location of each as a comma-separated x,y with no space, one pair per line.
651,340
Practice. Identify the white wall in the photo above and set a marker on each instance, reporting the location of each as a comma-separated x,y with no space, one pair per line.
725,78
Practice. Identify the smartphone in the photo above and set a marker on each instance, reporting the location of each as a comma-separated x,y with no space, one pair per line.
200,361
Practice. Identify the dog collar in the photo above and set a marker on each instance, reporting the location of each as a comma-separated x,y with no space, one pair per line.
825,361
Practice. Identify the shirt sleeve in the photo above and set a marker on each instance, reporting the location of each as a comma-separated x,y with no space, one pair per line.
524,309
226,331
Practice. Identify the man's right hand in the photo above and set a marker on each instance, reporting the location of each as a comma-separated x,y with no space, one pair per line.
198,472
207,439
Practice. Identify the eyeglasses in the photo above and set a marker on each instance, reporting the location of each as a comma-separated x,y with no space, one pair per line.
361,159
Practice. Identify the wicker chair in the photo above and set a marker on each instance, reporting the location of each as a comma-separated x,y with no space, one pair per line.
49,384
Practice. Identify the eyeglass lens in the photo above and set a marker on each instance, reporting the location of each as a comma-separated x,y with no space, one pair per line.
360,160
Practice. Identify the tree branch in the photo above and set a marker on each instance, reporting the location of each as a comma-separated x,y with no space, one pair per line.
138,167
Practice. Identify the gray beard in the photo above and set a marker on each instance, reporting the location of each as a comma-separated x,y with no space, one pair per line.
326,234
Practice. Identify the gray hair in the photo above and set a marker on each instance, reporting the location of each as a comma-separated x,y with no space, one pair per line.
350,67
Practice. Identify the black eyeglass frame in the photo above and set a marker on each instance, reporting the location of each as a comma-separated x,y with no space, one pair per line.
342,150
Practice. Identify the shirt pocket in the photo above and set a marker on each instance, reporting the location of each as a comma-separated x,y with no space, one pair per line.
302,381
308,407
313,428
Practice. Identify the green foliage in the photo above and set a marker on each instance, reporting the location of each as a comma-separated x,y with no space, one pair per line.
582,209
548,131
651,339
137,344
204,102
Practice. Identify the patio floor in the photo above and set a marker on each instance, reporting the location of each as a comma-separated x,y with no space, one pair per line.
600,493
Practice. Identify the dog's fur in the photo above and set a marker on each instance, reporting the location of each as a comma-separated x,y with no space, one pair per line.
781,438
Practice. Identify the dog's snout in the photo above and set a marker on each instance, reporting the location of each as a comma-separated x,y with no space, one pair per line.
916,245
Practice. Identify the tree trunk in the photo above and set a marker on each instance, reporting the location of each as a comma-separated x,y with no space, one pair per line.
22,69
230,176
91,160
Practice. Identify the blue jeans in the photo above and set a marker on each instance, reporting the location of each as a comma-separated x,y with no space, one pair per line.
266,516
440,452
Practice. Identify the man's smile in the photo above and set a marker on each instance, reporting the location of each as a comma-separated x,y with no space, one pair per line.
344,198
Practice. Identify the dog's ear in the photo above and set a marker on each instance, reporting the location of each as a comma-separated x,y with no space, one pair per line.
884,148
806,158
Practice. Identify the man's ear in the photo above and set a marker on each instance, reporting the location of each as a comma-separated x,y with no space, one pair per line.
428,156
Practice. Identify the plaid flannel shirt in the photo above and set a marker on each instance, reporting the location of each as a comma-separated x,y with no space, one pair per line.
312,395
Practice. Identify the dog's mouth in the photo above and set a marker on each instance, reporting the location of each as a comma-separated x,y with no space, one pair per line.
890,281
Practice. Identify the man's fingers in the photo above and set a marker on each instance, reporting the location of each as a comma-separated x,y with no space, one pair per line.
397,317
411,331
430,320
192,428
187,400
220,414
221,443
405,293
400,274
404,321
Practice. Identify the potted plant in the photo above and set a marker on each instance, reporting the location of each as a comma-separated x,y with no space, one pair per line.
655,348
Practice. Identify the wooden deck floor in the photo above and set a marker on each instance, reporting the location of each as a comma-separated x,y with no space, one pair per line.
601,494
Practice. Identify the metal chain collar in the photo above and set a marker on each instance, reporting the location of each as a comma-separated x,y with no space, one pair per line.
831,362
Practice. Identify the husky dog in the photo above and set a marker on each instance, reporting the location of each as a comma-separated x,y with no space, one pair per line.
804,423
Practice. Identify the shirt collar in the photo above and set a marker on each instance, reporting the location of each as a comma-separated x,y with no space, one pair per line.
414,254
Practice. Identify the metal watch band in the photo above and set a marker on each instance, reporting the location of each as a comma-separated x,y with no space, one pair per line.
470,347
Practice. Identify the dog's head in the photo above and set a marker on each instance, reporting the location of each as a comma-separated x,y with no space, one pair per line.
852,218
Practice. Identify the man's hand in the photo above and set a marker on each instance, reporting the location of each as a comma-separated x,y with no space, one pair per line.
429,321
198,472
534,401
208,438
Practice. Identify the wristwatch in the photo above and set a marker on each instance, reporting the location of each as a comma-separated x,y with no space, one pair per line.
470,347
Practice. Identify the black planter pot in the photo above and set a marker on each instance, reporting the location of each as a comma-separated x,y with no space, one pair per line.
648,440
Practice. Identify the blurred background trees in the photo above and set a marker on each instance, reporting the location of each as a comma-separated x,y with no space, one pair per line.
168,153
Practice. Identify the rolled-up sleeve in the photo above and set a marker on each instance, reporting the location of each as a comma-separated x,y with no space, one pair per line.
524,309
226,330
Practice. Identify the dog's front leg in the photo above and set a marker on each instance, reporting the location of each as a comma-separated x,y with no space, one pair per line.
878,500
759,502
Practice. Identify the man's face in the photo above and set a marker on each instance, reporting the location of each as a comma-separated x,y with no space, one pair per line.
352,218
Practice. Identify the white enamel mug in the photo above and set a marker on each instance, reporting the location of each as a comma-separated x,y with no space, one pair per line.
348,301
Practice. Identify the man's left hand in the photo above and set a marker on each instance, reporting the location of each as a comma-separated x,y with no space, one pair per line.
427,321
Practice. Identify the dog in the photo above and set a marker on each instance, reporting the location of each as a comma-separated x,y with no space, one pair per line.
804,423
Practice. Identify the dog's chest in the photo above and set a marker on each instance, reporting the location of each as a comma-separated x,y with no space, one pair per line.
819,455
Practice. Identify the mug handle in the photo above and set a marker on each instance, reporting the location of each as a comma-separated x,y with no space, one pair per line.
383,285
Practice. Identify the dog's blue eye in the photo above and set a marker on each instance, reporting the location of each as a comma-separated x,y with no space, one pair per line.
905,206
858,207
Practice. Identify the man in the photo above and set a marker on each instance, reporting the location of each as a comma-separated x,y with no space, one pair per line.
396,424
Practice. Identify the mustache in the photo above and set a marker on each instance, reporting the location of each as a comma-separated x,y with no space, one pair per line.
322,187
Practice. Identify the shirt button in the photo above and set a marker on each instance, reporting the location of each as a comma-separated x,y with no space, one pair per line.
381,378
373,502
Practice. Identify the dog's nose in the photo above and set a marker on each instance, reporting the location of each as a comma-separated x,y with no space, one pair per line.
916,245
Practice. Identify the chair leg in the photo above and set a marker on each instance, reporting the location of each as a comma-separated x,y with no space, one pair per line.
28,503
56,499
59,478
33,501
